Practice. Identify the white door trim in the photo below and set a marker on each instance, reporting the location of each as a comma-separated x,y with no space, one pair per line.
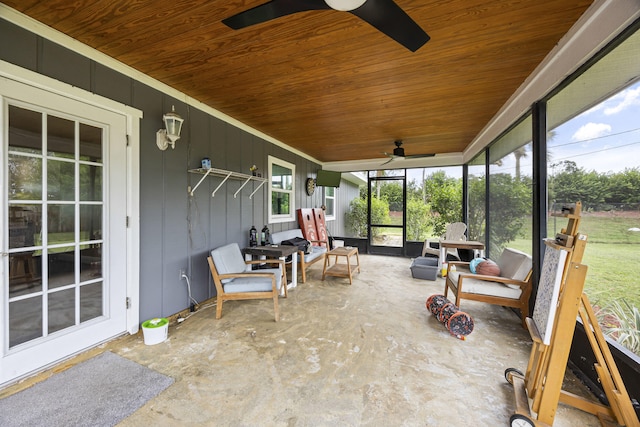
10,71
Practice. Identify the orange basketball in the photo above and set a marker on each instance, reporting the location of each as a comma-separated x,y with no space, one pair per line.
488,268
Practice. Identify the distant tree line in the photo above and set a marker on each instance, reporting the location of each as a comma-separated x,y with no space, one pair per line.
568,183
437,201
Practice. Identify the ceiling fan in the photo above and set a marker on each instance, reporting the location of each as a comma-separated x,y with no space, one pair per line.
385,15
398,153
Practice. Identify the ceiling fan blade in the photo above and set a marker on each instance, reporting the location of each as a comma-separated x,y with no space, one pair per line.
272,10
419,156
391,159
389,18
391,156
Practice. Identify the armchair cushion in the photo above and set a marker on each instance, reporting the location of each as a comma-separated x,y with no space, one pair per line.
473,285
228,260
316,251
254,284
514,264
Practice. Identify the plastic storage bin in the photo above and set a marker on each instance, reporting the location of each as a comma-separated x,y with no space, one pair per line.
424,268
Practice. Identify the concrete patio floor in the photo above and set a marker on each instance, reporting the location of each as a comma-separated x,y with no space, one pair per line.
369,354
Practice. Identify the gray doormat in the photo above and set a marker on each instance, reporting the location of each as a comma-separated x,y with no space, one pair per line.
101,391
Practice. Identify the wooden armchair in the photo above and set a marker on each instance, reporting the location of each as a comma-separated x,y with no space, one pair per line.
234,282
511,289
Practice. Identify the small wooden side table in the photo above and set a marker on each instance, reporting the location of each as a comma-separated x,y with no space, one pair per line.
341,270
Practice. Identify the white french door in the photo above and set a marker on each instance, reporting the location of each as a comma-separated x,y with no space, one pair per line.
64,237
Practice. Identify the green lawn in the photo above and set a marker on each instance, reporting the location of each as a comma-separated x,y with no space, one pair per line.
612,256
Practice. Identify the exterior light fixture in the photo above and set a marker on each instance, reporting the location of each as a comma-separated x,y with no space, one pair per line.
171,133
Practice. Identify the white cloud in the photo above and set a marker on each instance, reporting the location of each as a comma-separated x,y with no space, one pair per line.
591,131
623,100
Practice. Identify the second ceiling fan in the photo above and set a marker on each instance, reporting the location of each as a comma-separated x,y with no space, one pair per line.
384,15
398,153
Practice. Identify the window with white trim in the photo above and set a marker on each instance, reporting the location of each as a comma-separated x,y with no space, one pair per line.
282,190
330,203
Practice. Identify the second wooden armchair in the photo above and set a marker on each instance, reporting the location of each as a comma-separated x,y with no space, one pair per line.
511,289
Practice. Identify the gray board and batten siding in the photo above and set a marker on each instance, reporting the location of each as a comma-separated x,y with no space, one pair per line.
176,230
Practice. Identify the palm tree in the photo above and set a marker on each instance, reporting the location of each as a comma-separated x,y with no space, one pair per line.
519,153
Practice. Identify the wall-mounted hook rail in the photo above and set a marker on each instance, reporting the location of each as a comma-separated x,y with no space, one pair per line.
213,194
257,188
241,187
191,191
226,175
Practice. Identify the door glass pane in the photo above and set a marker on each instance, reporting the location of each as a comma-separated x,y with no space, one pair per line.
60,137
62,266
90,222
25,320
90,301
25,273
385,236
62,312
25,177
91,262
61,221
387,209
90,143
25,130
90,183
24,225
60,180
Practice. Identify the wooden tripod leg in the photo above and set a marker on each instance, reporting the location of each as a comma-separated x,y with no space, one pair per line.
606,367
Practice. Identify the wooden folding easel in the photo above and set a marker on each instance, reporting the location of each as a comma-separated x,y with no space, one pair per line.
542,382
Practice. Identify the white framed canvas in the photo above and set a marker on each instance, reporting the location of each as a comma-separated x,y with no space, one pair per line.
544,312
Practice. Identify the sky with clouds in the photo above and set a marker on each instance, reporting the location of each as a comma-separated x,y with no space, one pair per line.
605,138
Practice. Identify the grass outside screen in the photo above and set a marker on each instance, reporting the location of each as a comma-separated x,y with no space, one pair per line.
327,178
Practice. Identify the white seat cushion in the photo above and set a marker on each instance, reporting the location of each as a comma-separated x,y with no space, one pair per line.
484,287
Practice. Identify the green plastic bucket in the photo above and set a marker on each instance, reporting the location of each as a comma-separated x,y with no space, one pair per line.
155,330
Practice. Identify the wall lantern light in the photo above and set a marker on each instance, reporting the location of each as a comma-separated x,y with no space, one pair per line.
171,133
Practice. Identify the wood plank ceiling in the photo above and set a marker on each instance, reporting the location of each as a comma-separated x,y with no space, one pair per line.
325,82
